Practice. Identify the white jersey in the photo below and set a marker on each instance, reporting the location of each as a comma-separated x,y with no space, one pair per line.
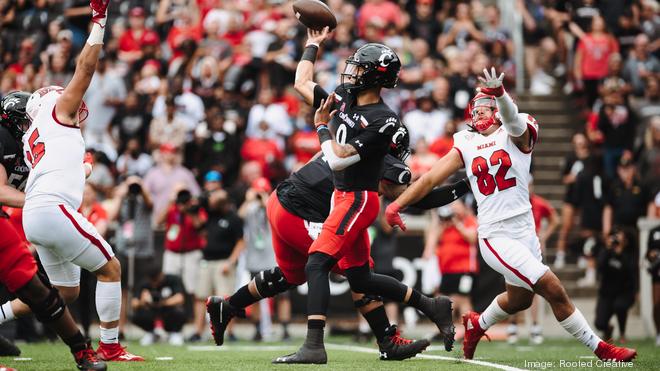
54,152
498,172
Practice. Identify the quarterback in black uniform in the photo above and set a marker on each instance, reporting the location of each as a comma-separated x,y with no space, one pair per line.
363,126
18,269
296,211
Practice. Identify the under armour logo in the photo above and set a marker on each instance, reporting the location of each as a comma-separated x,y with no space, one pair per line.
383,355
359,144
469,325
453,192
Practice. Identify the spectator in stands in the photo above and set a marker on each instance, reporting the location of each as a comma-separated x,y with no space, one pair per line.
614,81
616,124
617,267
422,160
423,23
131,209
269,120
426,122
131,121
444,143
649,161
304,142
106,93
132,40
459,29
452,236
189,106
161,296
168,174
626,201
640,64
593,51
380,12
220,150
184,220
653,258
217,269
134,161
573,165
649,105
267,152
170,128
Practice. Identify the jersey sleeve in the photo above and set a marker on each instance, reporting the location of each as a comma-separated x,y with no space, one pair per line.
532,126
395,171
459,143
374,136
319,94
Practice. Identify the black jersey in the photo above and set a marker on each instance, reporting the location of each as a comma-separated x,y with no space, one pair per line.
369,129
307,193
11,156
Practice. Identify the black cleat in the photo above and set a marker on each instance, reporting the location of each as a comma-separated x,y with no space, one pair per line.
87,360
304,355
397,348
440,312
221,313
7,348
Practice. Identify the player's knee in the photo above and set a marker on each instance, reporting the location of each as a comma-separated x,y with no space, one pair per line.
359,278
43,299
319,265
271,282
110,272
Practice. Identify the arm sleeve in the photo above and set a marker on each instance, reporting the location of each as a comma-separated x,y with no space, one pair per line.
319,94
443,195
509,115
335,162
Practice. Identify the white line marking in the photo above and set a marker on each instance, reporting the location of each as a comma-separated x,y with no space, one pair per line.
22,359
350,348
164,358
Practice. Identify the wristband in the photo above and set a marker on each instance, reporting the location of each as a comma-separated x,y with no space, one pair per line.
310,53
96,35
323,133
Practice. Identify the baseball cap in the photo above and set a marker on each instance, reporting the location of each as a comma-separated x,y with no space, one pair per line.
136,12
167,147
213,176
261,185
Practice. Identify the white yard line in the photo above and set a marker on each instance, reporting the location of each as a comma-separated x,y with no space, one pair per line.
359,349
350,348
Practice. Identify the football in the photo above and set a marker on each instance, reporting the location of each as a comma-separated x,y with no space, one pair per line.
314,14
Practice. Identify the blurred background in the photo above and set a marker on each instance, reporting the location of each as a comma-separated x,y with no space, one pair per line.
192,108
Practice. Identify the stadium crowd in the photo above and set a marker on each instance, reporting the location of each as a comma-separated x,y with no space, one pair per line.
193,120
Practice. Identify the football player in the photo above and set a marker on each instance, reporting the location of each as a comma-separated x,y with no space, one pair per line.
18,269
54,151
496,153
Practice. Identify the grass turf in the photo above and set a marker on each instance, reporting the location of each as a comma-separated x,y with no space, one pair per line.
342,355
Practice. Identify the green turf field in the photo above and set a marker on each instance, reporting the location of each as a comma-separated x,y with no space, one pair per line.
342,355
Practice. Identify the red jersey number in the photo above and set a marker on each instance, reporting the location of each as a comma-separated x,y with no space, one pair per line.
488,183
37,150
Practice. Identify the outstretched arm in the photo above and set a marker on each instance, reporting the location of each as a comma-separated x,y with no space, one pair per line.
440,171
68,104
304,84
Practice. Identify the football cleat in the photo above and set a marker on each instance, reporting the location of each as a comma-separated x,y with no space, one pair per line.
221,313
394,347
440,312
115,353
304,355
86,359
609,352
473,333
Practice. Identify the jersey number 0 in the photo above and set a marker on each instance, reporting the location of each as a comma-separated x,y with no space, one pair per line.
485,181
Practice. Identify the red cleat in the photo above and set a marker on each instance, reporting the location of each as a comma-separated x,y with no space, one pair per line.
5,368
609,352
116,353
473,333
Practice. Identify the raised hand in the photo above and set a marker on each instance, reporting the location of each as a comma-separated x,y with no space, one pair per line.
99,11
492,85
323,113
317,36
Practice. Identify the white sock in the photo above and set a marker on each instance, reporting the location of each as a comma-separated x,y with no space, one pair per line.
492,315
6,313
577,326
110,335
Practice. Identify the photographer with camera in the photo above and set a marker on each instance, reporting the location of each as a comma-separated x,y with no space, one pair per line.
617,267
653,257
161,296
184,221
131,210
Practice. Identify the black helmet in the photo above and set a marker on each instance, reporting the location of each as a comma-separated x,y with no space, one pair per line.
12,113
380,68
400,145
